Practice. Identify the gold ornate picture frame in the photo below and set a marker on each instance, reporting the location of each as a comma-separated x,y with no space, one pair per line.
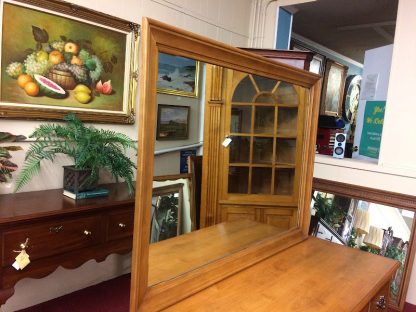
177,75
66,58
333,88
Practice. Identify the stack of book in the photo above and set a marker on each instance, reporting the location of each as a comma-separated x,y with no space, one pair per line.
87,194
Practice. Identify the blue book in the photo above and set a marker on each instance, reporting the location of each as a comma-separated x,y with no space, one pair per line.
87,194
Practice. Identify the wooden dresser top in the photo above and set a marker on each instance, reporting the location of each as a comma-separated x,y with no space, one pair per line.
314,275
39,204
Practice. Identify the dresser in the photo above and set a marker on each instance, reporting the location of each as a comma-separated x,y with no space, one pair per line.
58,231
313,275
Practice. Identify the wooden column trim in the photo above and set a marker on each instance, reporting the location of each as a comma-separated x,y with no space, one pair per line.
212,144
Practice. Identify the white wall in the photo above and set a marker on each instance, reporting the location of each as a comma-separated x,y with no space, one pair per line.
226,21
376,61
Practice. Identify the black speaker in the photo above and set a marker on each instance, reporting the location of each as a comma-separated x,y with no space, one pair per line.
339,145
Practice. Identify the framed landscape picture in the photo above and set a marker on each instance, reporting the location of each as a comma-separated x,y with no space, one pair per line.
172,122
57,58
177,75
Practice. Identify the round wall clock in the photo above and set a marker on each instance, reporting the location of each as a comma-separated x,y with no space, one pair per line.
351,98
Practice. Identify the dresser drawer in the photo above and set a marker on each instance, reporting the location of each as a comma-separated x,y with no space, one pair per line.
120,224
380,301
52,237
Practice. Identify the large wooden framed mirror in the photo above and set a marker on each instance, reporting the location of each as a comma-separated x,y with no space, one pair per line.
278,178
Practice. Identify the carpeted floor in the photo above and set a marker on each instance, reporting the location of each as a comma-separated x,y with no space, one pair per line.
109,296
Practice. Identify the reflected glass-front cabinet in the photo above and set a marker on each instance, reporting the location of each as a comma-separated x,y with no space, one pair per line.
260,170
262,117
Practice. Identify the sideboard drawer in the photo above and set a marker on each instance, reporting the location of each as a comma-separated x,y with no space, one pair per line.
120,224
53,237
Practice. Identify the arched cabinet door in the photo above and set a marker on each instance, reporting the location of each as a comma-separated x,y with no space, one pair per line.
261,168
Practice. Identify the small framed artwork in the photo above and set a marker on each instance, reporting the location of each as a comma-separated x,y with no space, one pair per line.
333,88
166,212
172,122
177,75
66,58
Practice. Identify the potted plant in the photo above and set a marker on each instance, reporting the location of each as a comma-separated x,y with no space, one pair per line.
6,165
90,148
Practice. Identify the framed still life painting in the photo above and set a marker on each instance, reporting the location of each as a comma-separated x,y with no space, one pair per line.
172,122
57,58
177,75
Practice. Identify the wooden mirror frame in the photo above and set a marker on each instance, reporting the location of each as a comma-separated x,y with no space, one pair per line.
159,37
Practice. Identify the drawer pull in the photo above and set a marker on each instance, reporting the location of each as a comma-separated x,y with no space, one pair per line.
87,233
121,225
25,245
56,229
381,303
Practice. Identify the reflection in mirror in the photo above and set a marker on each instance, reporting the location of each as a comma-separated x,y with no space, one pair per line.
371,227
166,212
263,119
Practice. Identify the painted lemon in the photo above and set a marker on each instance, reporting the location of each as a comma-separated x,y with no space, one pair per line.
82,88
41,56
83,97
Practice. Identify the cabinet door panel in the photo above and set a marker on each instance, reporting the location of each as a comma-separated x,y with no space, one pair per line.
282,218
238,213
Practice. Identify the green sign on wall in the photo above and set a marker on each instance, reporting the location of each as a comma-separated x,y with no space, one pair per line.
372,128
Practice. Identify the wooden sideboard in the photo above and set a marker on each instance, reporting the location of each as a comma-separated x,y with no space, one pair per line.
61,231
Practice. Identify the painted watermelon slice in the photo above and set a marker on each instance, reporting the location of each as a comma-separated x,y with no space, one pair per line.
49,88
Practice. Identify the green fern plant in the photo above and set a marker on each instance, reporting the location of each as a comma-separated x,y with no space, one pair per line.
90,148
6,165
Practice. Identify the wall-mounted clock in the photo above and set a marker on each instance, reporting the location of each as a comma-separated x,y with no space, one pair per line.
351,97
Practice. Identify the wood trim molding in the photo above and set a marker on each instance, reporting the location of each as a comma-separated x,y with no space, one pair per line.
365,193
211,152
397,200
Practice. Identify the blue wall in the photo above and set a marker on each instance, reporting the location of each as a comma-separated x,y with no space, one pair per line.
284,29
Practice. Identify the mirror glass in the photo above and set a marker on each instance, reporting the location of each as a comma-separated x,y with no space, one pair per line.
379,229
262,120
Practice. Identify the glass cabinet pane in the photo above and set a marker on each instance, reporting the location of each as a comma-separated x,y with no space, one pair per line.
262,150
245,91
265,98
264,84
286,151
283,181
261,180
240,119
287,121
264,119
240,150
238,180
286,94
